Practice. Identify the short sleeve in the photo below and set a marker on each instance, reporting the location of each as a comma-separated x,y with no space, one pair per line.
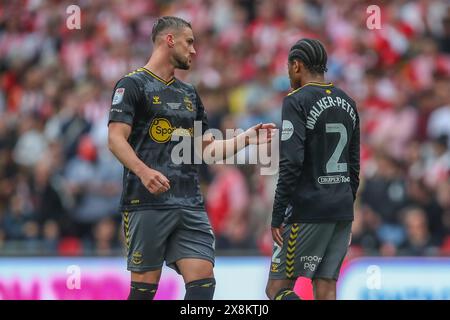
125,99
293,135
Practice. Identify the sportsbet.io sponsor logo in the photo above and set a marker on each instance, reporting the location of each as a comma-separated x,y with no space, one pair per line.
161,130
310,262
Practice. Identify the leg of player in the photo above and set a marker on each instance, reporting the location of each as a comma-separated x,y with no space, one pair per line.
324,289
198,276
144,285
281,289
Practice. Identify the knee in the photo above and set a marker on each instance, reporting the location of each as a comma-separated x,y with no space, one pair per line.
208,273
146,277
268,292
271,290
324,289
195,269
198,275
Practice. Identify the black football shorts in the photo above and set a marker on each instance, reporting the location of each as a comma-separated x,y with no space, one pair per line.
311,250
155,236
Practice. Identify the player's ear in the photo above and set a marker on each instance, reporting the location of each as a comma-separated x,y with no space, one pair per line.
298,66
170,40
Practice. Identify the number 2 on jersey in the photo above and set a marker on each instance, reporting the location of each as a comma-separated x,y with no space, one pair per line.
333,165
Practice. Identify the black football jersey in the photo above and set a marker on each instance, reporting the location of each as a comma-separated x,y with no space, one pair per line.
157,110
319,156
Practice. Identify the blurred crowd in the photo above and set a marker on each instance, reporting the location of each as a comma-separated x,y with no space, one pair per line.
60,186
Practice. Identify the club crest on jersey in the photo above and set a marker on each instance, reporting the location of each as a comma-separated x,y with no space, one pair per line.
287,130
188,104
137,258
274,267
118,96
156,100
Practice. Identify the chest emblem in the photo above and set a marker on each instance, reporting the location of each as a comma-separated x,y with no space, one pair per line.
156,100
188,104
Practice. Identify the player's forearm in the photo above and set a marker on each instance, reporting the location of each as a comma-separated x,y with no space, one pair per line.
235,144
229,147
120,147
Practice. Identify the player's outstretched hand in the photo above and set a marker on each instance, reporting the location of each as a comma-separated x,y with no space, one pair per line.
276,235
261,133
154,181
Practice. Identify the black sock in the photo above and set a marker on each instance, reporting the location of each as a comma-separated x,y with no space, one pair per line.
202,289
142,291
286,294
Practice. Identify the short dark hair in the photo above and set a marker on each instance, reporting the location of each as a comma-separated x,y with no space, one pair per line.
167,22
312,53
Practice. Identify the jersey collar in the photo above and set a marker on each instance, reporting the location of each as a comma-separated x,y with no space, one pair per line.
312,83
320,84
167,83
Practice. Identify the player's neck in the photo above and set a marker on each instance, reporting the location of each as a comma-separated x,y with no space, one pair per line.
161,66
313,78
